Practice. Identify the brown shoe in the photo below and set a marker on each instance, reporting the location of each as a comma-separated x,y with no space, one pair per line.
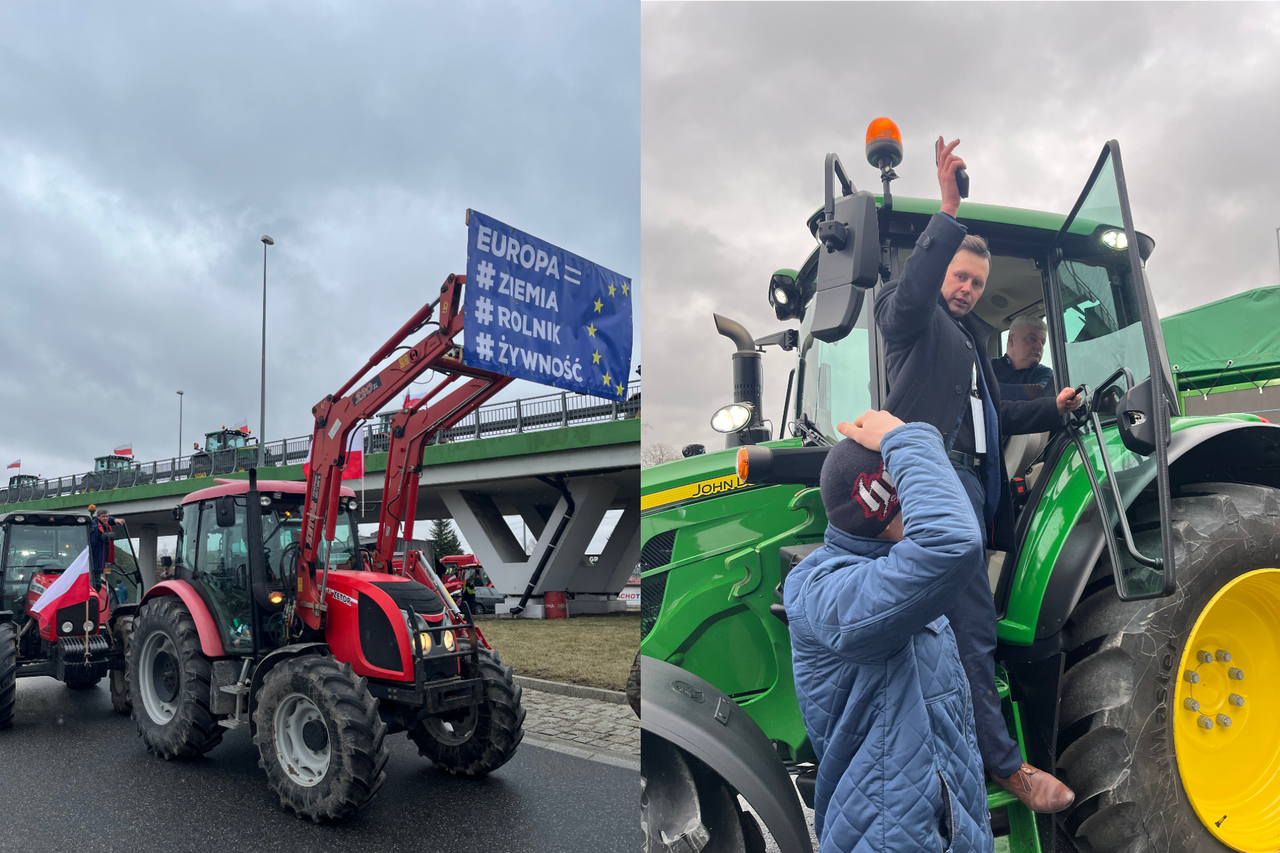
1038,790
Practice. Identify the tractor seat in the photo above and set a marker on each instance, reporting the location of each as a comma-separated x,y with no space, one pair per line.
1021,450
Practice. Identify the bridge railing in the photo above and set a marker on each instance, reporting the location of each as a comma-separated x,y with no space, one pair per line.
549,411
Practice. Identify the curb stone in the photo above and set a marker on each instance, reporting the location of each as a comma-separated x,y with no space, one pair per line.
616,697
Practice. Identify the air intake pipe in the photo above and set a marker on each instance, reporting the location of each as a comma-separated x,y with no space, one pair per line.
748,382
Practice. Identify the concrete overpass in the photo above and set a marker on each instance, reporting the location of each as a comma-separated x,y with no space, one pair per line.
477,483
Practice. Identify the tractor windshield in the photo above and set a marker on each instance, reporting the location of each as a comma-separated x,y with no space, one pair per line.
31,548
282,529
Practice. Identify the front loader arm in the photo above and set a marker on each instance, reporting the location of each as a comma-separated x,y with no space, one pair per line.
411,429
338,414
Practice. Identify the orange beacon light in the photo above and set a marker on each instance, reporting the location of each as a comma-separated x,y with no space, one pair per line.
884,143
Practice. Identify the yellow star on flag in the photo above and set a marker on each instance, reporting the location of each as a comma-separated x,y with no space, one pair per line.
595,357
611,290
591,330
608,380
624,290
599,305
619,390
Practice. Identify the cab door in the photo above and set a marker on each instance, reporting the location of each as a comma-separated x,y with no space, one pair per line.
1105,336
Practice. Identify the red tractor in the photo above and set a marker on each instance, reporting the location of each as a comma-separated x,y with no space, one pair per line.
276,621
82,642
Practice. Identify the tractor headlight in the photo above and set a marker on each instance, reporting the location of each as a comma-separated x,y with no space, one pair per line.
1115,240
448,641
731,418
425,639
784,294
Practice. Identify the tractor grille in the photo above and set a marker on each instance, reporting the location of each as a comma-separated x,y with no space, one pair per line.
652,589
377,638
657,551
655,554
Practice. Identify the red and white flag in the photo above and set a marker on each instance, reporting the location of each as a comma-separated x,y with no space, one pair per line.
354,468
125,449
409,399
242,426
71,587
17,463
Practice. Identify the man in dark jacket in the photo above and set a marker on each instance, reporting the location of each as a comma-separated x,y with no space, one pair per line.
882,690
939,373
1019,371
100,532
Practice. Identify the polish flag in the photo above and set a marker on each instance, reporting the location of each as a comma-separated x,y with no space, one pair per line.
354,469
125,449
17,463
71,587
242,426
409,400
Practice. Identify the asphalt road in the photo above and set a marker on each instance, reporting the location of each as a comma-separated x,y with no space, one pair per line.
75,777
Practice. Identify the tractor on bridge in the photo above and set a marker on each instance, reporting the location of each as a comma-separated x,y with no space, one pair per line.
77,644
225,450
108,471
276,621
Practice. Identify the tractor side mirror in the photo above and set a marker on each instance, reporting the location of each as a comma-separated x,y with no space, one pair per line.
177,513
849,260
1135,416
225,508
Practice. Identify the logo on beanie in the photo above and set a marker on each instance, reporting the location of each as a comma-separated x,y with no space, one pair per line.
877,499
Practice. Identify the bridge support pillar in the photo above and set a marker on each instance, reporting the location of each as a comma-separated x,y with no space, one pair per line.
504,560
147,537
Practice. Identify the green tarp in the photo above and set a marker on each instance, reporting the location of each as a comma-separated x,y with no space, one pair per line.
1243,329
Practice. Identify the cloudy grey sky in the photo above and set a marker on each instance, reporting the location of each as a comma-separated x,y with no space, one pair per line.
145,147
740,102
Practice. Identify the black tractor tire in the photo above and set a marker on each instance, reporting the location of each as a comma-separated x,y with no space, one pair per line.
190,729
320,705
75,683
487,736
690,804
1116,712
8,673
120,701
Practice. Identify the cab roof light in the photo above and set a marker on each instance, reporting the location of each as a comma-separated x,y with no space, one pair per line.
884,143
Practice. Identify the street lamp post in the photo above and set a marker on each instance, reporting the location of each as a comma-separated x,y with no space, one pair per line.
179,427
262,416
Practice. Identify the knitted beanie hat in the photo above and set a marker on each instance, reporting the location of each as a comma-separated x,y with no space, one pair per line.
857,492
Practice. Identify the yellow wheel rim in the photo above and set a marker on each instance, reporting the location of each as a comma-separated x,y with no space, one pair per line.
1226,726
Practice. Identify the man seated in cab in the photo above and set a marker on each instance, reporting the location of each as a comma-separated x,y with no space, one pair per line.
939,373
1019,371
881,687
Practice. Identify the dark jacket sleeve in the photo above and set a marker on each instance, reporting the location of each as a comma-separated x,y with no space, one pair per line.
1020,417
868,609
904,307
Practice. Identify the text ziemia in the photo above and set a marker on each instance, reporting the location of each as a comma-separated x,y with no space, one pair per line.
543,297
529,257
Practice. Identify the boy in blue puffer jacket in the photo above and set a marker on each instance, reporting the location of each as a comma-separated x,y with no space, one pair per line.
884,696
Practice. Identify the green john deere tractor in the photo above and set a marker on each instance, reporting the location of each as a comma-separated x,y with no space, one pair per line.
1138,590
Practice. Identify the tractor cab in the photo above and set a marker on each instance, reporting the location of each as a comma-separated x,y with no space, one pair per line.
112,462
227,439
213,556
20,480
